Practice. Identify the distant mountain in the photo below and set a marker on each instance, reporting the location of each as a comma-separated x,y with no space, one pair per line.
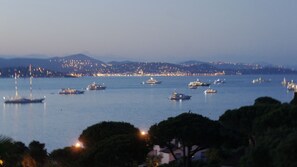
80,57
193,62
85,65
76,63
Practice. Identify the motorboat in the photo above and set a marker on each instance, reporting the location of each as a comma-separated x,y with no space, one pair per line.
209,90
96,86
17,99
218,81
152,81
260,80
291,86
70,91
198,83
179,96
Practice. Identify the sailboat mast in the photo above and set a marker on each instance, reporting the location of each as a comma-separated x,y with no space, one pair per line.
16,85
30,73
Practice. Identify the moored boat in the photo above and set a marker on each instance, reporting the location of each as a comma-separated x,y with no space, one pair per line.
291,86
209,90
219,81
96,86
260,80
70,91
179,96
22,100
152,81
198,83
17,99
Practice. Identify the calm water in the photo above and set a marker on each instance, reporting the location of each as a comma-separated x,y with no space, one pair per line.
61,119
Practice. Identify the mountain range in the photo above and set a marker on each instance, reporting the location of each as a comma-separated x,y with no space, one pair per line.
85,65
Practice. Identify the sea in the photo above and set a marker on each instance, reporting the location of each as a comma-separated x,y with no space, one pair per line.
60,120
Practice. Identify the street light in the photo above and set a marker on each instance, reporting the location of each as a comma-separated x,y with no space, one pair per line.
78,145
143,133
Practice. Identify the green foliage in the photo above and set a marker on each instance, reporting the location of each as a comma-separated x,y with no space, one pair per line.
276,148
266,101
38,152
153,160
67,157
95,133
286,151
118,150
189,130
11,152
294,100
271,126
282,116
232,139
113,144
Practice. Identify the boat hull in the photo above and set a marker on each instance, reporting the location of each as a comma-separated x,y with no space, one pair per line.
23,101
71,93
183,98
179,96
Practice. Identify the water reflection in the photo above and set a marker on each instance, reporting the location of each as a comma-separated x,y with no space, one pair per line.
23,121
177,103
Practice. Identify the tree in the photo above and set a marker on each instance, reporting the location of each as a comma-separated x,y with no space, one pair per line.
28,161
153,160
266,101
95,133
242,120
67,157
271,127
194,132
286,151
118,150
38,152
294,100
11,152
113,144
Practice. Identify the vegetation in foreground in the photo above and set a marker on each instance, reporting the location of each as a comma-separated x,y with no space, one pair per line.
264,134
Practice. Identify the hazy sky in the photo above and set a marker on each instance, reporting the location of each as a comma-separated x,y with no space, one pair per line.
152,30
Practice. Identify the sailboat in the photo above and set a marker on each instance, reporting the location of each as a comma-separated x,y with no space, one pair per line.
22,100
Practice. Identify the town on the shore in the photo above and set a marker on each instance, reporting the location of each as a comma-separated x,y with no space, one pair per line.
79,65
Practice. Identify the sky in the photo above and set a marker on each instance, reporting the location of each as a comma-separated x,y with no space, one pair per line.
152,30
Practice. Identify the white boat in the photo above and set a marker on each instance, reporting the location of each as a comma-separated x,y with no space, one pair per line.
198,83
179,96
219,81
152,81
96,86
70,91
291,86
17,99
209,90
260,80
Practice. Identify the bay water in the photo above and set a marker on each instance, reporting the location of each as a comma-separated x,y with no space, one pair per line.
60,120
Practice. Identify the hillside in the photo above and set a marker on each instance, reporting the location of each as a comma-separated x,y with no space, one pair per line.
87,66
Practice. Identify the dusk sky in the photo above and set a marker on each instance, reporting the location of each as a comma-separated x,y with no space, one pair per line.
153,30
